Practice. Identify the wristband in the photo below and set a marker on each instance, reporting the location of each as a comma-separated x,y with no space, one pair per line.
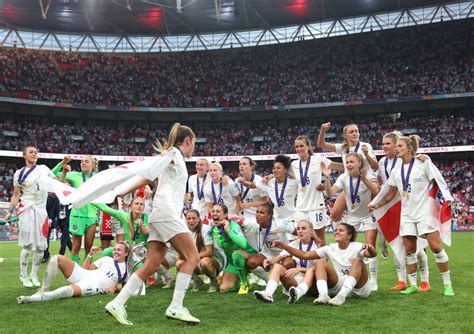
89,256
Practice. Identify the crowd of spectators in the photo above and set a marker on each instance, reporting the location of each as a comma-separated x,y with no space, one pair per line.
116,138
421,60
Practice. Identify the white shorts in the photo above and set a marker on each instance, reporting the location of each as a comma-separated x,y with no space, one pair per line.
417,229
85,280
318,218
362,224
117,226
363,292
299,277
165,231
33,227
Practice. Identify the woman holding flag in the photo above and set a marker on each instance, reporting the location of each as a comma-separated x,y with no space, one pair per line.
359,187
386,166
165,224
414,180
32,216
82,222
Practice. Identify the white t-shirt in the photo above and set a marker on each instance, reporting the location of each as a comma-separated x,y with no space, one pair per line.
310,199
343,153
341,258
382,170
256,236
363,198
168,202
304,247
106,274
199,204
252,195
206,233
31,192
229,192
287,211
415,205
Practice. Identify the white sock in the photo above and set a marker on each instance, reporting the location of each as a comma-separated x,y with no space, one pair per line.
164,272
181,285
401,269
62,292
133,284
24,254
261,273
412,278
423,266
446,276
51,271
373,269
347,287
322,286
36,262
303,287
271,287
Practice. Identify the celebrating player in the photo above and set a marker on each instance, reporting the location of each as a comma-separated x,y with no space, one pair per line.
166,225
413,179
83,221
219,192
106,275
33,218
348,278
196,185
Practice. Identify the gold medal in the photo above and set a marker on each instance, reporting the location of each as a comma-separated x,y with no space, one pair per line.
119,286
303,189
279,208
404,193
353,206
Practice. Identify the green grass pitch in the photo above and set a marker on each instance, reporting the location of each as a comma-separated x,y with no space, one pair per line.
384,311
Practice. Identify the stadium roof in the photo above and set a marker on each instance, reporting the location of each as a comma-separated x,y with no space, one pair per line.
174,17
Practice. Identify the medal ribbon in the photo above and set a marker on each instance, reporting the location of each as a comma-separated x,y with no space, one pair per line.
215,200
304,263
406,181
242,193
265,237
201,191
84,176
304,177
394,161
351,189
355,149
21,177
119,273
280,198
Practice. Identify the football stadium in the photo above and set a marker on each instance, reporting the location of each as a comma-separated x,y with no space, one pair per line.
223,166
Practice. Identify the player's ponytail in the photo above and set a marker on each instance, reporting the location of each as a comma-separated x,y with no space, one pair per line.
177,135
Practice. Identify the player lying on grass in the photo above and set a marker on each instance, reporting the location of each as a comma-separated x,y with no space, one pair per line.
348,278
106,275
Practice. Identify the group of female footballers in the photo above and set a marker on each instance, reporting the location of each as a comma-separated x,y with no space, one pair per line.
272,226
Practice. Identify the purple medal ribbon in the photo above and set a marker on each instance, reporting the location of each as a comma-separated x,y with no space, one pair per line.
394,161
84,176
265,237
243,193
406,181
355,149
304,177
21,177
304,263
201,191
281,199
215,200
119,273
351,189
221,230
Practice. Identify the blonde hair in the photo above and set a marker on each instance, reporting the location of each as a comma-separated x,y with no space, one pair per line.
345,142
307,142
218,165
177,135
393,136
358,156
95,161
413,142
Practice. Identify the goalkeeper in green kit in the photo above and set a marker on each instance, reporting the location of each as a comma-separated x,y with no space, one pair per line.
229,236
83,221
